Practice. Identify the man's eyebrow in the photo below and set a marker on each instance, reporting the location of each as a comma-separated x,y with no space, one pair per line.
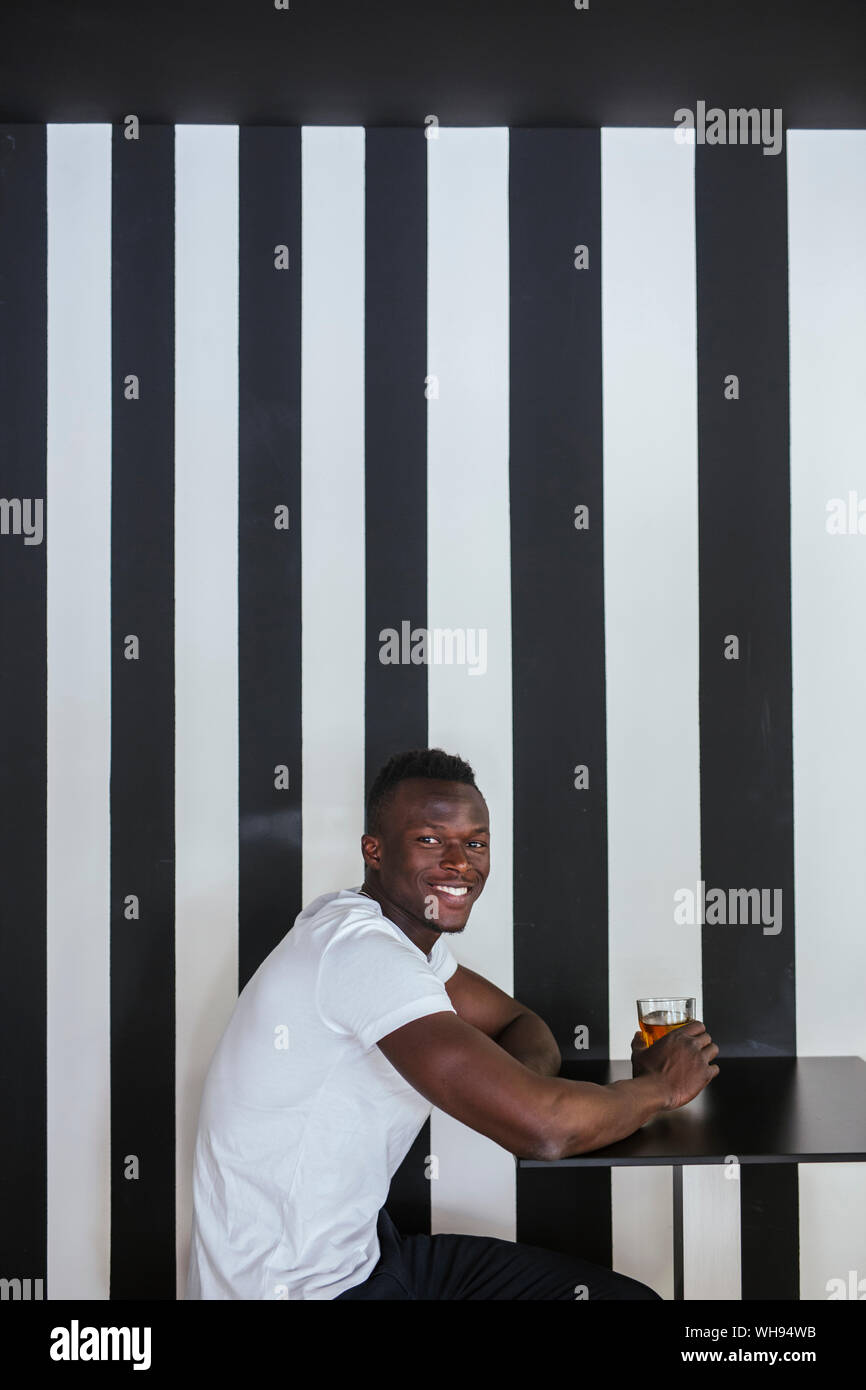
437,825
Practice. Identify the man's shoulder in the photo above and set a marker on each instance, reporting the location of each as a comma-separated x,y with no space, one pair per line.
343,923
339,916
348,919
324,920
347,905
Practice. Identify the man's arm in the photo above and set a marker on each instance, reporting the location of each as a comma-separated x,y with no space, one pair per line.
522,1033
462,1071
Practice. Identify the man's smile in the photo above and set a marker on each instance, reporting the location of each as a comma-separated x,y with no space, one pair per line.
452,890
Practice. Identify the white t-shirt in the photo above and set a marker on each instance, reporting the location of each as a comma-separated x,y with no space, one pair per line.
303,1119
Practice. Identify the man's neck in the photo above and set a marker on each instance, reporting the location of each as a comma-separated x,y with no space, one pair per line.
423,937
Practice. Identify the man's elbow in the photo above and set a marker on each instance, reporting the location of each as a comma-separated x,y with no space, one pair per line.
562,1134
546,1145
553,1061
547,1140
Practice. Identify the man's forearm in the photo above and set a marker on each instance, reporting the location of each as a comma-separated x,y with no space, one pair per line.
529,1039
588,1116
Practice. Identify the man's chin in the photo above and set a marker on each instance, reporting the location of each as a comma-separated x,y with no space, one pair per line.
452,928
441,924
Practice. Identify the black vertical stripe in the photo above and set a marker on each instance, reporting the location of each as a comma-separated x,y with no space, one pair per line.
557,603
567,1209
769,1231
745,589
23,703
269,557
396,495
142,716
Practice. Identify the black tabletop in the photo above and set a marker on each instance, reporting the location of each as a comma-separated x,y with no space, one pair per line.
757,1110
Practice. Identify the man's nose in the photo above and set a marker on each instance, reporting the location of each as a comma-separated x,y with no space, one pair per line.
454,855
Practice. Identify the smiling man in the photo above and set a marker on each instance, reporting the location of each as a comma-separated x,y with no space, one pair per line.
351,1030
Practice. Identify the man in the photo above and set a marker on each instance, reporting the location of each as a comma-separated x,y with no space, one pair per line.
352,1029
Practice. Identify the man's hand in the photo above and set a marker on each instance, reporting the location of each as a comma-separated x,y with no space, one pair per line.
682,1059
637,1045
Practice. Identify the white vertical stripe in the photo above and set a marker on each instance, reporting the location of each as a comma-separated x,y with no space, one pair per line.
711,1231
332,505
827,299
469,586
78,530
642,1225
832,1230
206,571
649,373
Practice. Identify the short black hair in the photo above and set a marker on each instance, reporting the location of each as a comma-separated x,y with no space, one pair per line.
415,762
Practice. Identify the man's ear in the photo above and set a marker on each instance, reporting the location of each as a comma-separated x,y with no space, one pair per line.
371,850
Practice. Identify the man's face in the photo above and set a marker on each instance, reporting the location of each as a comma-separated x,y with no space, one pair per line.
434,842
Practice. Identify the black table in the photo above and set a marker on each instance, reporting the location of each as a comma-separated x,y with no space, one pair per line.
758,1109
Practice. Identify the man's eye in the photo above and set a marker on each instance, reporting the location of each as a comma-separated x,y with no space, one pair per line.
480,843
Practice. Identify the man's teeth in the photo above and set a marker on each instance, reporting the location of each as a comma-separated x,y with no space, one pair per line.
455,892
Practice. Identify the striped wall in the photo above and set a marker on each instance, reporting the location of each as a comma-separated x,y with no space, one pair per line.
280,388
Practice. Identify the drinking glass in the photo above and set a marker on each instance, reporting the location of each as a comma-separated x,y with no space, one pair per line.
657,1017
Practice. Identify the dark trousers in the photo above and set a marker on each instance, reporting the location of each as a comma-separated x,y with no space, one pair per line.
446,1266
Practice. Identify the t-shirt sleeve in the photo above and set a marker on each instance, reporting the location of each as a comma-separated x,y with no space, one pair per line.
369,984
